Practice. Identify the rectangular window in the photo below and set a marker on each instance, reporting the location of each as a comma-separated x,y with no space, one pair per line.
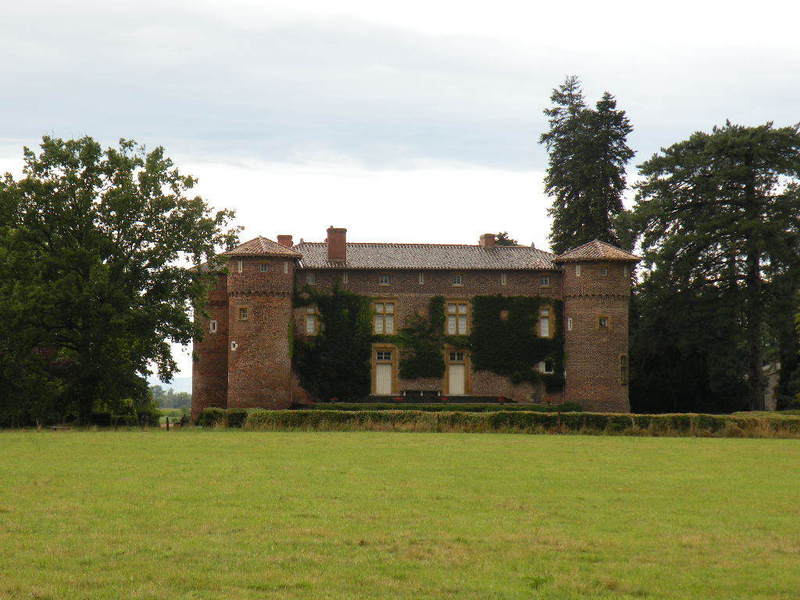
604,271
239,266
286,267
457,356
577,270
569,323
503,278
383,318
544,322
244,313
421,278
602,322
383,355
212,326
457,322
312,324
547,367
623,369
544,281
263,267
311,278
458,280
345,278
384,279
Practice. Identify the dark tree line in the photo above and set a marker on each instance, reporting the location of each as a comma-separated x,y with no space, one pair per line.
717,219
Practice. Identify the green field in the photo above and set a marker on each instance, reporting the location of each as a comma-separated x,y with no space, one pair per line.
230,514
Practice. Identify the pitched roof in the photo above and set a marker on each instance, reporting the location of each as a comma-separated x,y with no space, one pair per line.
427,256
596,250
262,246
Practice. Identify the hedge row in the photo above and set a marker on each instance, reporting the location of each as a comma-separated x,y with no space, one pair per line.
504,422
442,407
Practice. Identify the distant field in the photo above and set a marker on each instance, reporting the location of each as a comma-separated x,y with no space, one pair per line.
243,515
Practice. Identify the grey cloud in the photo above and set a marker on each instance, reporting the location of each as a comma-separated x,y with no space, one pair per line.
207,86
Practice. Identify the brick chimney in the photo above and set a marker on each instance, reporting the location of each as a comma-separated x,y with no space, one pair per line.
285,240
337,244
487,240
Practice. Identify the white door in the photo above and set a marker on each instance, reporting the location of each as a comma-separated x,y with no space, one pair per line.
455,378
383,379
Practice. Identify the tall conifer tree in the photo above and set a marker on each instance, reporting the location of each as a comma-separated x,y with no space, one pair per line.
586,173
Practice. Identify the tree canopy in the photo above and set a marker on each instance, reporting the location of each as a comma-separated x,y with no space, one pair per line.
94,245
586,172
719,216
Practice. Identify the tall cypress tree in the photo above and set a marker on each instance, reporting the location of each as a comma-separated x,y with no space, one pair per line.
586,173
720,217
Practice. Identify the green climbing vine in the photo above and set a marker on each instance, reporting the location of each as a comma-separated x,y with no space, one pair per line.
335,364
504,339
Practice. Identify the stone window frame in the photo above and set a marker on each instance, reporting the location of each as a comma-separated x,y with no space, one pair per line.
286,267
243,316
458,279
503,278
421,278
544,281
212,326
549,320
394,361
600,325
543,367
311,316
466,313
569,323
384,316
239,266
577,270
263,267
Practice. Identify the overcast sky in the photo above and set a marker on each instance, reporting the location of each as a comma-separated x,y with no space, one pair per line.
402,121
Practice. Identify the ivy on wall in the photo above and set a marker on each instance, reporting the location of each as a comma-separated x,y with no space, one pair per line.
504,339
421,342
335,364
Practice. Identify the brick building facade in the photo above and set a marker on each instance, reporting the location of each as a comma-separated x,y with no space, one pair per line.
244,359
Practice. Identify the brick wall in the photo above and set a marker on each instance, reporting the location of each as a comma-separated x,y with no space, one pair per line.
210,364
593,353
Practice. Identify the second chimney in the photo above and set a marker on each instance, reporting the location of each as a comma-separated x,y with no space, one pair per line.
337,244
285,240
487,240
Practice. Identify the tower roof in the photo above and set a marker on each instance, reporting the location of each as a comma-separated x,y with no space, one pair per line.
262,246
596,251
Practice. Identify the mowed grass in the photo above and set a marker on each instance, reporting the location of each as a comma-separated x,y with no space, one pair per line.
239,515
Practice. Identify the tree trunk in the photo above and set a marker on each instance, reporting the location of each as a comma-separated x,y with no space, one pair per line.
753,305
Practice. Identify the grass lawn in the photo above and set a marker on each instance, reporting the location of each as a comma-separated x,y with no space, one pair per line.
232,514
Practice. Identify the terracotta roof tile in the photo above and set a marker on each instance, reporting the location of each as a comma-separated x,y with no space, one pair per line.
262,246
427,256
596,250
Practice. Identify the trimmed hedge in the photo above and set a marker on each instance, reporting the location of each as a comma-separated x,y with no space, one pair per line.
442,407
510,422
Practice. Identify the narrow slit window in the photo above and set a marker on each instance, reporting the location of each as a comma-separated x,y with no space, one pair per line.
577,270
212,326
569,323
239,266
421,278
623,369
503,278
286,267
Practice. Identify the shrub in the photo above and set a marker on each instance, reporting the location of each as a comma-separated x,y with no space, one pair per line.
442,407
235,417
211,417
